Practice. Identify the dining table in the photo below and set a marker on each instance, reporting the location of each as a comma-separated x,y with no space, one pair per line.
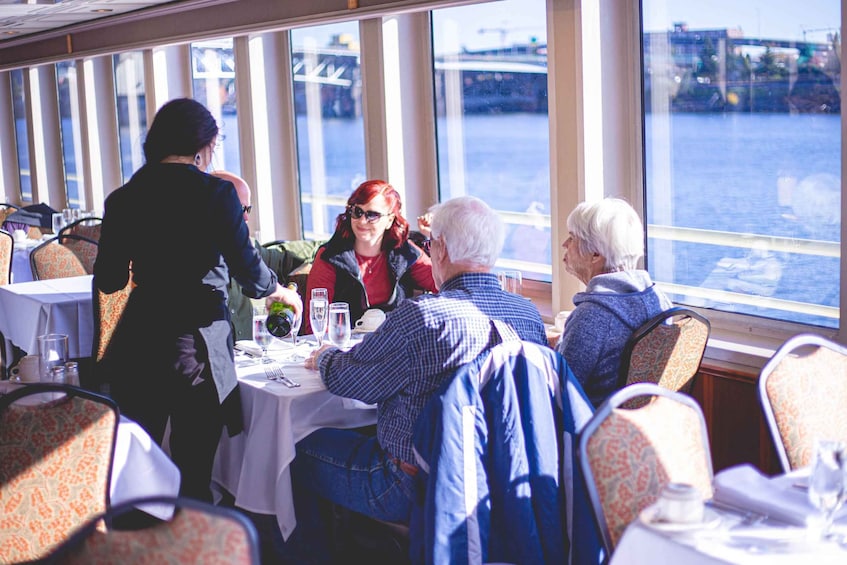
751,519
63,306
21,269
254,466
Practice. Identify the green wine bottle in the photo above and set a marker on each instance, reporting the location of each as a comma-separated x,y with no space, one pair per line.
281,317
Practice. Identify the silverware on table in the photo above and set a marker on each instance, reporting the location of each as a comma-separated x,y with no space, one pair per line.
275,373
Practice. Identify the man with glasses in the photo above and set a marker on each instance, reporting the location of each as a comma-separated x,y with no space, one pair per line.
400,367
279,260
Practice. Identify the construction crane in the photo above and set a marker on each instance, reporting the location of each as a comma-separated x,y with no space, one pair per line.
805,31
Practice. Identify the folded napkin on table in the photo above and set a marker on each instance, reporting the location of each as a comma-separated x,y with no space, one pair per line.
743,486
249,347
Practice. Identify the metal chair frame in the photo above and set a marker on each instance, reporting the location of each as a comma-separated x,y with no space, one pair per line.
616,400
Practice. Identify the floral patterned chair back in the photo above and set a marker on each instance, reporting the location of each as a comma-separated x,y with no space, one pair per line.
51,260
667,350
803,393
7,249
198,534
84,248
629,455
88,228
56,449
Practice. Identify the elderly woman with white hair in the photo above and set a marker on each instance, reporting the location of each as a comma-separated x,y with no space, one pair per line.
605,242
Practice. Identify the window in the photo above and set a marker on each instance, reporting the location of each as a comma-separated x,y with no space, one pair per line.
743,155
330,130
490,69
213,71
132,111
21,132
70,127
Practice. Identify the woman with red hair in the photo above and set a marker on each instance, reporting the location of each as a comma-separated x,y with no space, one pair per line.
369,262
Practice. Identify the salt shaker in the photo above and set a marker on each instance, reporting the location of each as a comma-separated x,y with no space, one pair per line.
72,373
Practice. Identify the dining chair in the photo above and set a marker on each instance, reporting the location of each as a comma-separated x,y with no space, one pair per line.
86,227
628,455
108,310
199,533
52,260
56,448
666,350
7,251
83,247
803,393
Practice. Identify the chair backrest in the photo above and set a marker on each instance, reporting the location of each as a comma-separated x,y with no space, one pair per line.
51,260
56,449
198,534
108,310
83,247
803,392
629,455
7,250
666,350
86,227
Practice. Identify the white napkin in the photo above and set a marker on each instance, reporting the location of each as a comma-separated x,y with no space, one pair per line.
743,486
249,347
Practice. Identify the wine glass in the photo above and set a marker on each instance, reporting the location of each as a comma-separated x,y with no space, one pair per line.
317,313
511,281
828,480
261,336
339,324
58,222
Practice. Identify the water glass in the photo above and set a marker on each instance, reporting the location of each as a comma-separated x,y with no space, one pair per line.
828,480
511,281
317,313
58,222
339,324
261,336
52,352
68,215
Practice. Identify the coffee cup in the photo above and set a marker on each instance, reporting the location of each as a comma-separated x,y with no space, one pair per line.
680,503
370,320
27,370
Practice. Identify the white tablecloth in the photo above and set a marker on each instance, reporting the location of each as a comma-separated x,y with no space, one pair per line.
30,309
254,465
730,541
21,270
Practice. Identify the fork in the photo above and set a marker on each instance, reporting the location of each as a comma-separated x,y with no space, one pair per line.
275,373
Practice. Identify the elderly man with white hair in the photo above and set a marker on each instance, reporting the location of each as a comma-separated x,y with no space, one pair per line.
399,366
605,242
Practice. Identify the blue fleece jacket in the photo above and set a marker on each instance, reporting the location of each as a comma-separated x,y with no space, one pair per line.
612,307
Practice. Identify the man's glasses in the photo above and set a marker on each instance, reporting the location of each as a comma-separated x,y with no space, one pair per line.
371,216
247,209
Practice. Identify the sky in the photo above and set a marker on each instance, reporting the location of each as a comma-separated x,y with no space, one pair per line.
493,24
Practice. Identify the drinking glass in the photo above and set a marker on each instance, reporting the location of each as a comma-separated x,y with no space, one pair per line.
58,222
295,328
261,335
52,352
317,313
339,324
511,281
68,215
828,480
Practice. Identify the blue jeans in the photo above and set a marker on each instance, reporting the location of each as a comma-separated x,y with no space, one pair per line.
350,469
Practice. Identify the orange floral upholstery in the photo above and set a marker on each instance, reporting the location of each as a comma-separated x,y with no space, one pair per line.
803,391
629,455
50,260
108,309
88,228
55,463
667,350
199,533
7,249
85,249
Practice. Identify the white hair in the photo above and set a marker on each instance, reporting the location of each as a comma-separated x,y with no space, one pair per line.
610,227
472,232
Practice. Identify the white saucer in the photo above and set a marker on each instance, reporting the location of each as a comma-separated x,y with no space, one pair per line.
649,515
